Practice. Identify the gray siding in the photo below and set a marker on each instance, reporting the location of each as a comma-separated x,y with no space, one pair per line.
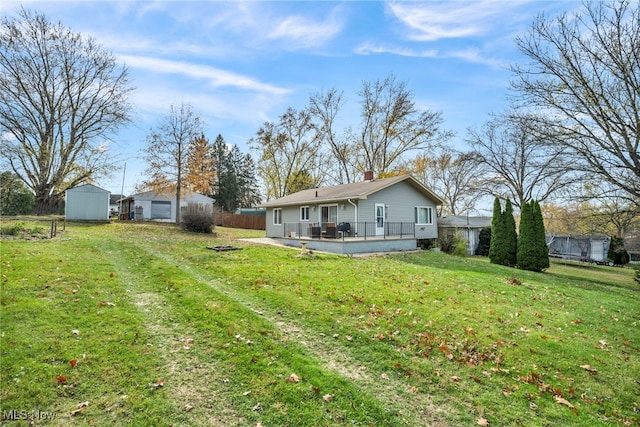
87,203
401,200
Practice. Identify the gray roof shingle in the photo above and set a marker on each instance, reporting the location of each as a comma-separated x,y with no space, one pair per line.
356,190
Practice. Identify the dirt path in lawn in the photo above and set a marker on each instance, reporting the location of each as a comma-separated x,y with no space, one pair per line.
409,402
192,382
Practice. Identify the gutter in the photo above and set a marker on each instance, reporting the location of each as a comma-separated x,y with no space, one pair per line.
356,209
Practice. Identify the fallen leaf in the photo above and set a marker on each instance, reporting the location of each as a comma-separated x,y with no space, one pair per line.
112,275
327,397
293,378
257,407
246,393
482,422
61,379
384,376
82,404
563,401
73,362
157,384
75,332
188,407
589,368
454,378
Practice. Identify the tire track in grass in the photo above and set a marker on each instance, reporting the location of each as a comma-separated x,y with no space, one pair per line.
190,381
395,394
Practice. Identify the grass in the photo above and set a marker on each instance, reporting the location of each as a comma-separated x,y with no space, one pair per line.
150,328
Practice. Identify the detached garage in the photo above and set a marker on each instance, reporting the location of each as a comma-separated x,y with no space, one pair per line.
156,206
87,203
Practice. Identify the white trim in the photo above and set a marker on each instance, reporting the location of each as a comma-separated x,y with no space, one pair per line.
277,214
429,215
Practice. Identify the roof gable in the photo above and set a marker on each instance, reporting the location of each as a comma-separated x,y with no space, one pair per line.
87,188
356,190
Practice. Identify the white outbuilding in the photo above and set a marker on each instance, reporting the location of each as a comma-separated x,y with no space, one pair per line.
87,203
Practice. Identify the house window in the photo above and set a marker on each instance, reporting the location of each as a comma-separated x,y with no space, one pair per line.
277,216
424,215
304,213
329,214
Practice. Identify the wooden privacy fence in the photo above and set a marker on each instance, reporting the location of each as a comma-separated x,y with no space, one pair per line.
251,222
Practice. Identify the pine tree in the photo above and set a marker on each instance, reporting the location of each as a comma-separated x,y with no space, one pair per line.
497,232
526,238
511,237
533,253
484,242
617,253
542,250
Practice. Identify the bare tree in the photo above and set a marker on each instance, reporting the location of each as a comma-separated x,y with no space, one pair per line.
62,97
168,146
392,125
452,175
519,165
584,75
285,149
325,108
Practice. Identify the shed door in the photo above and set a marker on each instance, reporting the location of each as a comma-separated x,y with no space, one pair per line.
380,218
160,210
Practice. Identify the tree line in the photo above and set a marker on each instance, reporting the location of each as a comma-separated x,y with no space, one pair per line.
571,132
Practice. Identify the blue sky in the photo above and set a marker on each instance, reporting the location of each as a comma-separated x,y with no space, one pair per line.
242,63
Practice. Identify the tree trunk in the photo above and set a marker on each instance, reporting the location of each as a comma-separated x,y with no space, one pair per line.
46,204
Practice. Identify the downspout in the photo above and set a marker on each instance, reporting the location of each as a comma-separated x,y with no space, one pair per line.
356,216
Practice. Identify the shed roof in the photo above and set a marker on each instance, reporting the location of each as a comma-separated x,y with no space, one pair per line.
463,221
87,188
187,195
356,190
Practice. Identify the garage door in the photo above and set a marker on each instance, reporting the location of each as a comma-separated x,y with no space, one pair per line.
160,210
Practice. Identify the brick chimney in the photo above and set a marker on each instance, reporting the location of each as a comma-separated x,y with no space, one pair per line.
368,175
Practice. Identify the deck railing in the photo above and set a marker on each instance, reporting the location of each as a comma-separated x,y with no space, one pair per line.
344,231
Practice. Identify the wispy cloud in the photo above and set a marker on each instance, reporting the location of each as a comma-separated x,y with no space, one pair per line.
306,32
471,55
370,48
215,76
432,21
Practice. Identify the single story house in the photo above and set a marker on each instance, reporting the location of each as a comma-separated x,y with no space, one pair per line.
466,227
156,206
374,215
86,203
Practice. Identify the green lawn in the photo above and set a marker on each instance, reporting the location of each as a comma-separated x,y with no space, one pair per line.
140,324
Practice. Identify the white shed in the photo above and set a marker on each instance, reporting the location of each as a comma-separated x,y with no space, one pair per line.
87,203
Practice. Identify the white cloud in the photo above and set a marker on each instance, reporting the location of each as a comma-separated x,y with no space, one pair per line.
215,77
432,21
304,32
368,48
